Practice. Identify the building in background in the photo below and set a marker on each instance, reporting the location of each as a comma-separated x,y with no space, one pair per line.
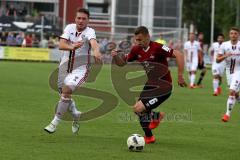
111,18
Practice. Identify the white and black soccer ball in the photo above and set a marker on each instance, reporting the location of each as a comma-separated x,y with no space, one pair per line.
135,142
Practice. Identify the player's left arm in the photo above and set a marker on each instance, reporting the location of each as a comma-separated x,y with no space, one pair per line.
180,62
96,49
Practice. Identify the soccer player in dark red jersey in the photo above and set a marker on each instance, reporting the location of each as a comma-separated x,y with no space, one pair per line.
153,56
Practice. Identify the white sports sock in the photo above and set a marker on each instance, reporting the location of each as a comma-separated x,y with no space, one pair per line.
55,121
63,107
74,111
215,84
230,104
73,107
192,79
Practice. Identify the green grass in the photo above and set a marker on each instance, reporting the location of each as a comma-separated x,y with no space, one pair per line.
192,129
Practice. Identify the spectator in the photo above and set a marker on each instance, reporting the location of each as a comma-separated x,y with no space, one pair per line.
3,38
102,45
12,12
3,10
51,43
19,39
161,40
171,44
27,42
11,41
35,41
44,42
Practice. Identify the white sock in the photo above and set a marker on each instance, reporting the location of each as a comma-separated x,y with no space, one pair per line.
192,79
215,84
73,107
230,104
55,121
74,111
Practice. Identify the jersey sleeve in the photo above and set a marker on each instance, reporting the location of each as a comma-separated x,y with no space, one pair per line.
66,33
90,34
165,51
221,49
185,46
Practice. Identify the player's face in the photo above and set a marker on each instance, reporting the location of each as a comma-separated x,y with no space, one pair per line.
220,39
142,40
234,35
81,20
200,36
191,37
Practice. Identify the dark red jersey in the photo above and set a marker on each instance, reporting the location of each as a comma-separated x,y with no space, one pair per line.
154,60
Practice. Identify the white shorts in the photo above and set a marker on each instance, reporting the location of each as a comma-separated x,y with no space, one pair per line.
191,66
235,82
228,76
76,77
218,69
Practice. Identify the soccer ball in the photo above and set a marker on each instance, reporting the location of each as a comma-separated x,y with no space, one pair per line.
135,143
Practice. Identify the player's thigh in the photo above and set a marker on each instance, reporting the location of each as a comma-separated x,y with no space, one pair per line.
188,66
235,82
221,70
215,70
76,78
151,103
194,66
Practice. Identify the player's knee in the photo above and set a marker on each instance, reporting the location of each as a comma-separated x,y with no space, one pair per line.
232,93
66,92
139,107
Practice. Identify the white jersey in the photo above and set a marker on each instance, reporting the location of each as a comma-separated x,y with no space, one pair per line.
192,49
73,68
215,48
232,62
191,57
72,35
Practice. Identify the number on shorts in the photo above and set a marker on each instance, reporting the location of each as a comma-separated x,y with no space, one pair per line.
153,101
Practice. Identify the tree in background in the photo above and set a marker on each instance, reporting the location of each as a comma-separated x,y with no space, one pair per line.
198,12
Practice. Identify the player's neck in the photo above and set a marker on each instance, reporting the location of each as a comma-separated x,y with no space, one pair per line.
146,46
234,42
81,29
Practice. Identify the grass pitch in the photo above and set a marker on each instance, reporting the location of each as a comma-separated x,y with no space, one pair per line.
191,130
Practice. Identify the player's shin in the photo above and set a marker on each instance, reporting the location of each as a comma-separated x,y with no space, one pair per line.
145,119
192,79
73,109
215,85
230,104
63,106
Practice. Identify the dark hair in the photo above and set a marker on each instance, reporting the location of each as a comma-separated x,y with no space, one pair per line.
84,10
234,29
220,34
141,30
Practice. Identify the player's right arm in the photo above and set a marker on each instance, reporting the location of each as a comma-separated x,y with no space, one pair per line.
221,56
66,45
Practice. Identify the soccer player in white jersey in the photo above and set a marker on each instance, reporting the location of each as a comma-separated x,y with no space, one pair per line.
217,68
76,41
230,52
191,51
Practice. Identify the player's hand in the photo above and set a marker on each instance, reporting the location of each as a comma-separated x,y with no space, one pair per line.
181,81
77,45
228,55
115,52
